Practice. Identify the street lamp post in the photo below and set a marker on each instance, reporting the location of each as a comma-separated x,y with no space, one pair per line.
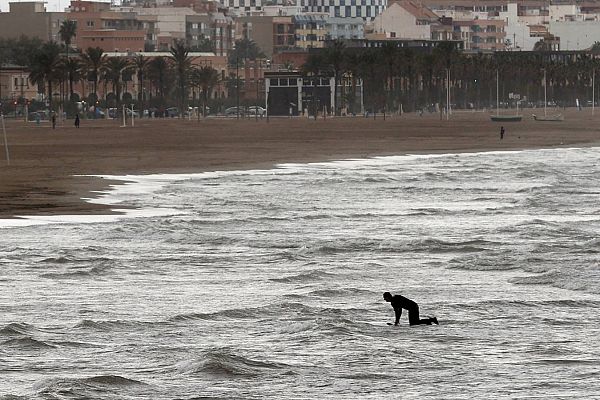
237,86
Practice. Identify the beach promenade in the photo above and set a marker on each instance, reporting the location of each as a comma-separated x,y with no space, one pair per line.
45,164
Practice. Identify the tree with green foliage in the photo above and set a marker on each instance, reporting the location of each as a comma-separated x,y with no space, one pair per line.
113,69
141,66
313,68
44,67
67,31
208,78
244,49
73,68
182,63
94,59
158,72
335,58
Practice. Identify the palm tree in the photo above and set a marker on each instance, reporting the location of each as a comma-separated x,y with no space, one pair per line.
183,63
334,56
368,71
141,65
94,59
73,68
67,31
113,70
158,70
388,57
44,66
208,77
313,67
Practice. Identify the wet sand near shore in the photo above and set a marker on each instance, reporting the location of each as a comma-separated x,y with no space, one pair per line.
42,177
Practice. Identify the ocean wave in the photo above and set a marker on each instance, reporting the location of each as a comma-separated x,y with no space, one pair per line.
311,276
27,343
243,313
109,325
429,245
288,309
544,278
484,262
69,259
15,329
80,273
224,361
297,327
86,387
112,380
340,292
566,303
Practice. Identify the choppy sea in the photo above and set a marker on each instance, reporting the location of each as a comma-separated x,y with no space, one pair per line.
268,284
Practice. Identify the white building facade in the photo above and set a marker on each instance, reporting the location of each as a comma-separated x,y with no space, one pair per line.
404,20
345,28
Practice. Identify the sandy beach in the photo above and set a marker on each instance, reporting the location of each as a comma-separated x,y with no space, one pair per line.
42,177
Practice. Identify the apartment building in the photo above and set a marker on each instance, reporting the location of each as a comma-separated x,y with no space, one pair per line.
242,7
344,28
259,29
111,30
31,19
405,19
310,30
480,34
365,9
198,30
14,84
284,36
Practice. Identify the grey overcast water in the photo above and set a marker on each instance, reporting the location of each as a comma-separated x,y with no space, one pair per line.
268,284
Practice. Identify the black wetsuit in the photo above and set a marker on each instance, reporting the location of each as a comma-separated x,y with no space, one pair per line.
399,302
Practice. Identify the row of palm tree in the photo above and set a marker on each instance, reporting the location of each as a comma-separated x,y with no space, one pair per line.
398,78
49,67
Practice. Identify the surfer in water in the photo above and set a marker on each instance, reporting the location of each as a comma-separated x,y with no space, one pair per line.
399,302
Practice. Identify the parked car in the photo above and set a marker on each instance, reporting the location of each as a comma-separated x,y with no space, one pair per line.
98,112
256,110
231,111
172,112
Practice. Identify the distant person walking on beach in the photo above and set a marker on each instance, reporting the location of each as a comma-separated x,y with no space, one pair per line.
399,302
501,132
77,121
53,121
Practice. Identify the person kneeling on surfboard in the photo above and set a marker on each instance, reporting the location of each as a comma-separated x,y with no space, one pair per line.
399,302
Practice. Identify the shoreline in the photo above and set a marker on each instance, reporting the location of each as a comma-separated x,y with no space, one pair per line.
51,171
